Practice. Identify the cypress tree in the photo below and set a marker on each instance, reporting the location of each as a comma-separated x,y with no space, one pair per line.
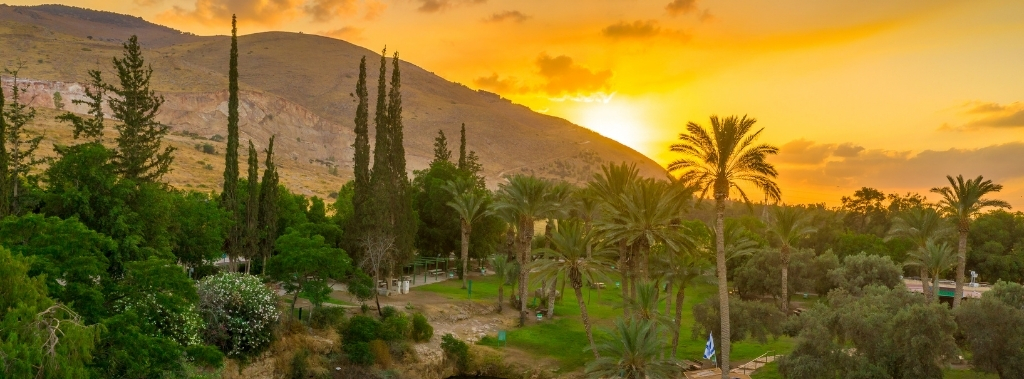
252,207
21,154
268,214
462,147
381,143
361,164
441,152
5,171
229,196
139,154
404,221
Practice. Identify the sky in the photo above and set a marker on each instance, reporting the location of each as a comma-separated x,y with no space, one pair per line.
886,94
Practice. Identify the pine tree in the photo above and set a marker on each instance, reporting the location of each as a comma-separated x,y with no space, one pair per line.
5,171
252,207
139,154
229,196
20,155
92,127
462,147
268,214
361,165
441,152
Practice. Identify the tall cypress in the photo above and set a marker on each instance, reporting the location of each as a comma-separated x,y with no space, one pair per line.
5,171
268,214
441,152
229,196
404,221
462,147
252,207
381,143
361,161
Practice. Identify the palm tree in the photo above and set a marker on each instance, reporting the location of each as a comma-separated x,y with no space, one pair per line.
717,160
920,225
521,201
568,257
471,207
680,268
934,258
501,266
962,201
609,185
789,225
633,353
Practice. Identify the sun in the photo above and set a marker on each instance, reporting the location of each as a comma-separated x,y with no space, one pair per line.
615,119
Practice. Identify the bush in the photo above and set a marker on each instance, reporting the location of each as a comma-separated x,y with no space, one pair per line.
205,356
300,367
360,285
208,149
402,350
421,329
361,329
387,312
455,351
239,312
381,353
217,138
395,328
327,317
358,353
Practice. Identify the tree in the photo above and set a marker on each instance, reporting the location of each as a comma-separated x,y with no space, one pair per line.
438,232
252,211
471,208
963,201
462,148
378,247
501,265
20,153
303,265
229,195
920,225
608,186
716,160
240,312
865,212
862,270
520,201
138,155
789,225
5,163
163,297
991,329
632,353
93,127
269,197
884,333
441,152
679,268
362,190
934,259
569,257
199,228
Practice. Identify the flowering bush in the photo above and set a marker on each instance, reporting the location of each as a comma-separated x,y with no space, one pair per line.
239,312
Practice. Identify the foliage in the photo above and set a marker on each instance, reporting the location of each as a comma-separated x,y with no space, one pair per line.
305,263
361,329
421,329
996,243
361,286
163,297
132,348
205,355
327,317
759,276
19,149
198,229
239,312
395,328
991,330
381,353
456,352
748,319
863,270
358,352
269,213
885,332
634,352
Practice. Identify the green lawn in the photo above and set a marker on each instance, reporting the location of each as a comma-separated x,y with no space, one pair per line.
565,338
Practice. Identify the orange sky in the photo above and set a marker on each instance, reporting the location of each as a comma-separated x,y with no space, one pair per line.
887,94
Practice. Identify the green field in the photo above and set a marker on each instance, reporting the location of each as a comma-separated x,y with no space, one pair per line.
565,339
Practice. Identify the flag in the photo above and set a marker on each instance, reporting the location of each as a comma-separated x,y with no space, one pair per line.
709,348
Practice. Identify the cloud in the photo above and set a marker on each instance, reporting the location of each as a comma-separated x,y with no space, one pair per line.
147,3
374,9
499,85
513,16
641,30
989,115
208,12
564,77
848,150
434,6
705,16
325,10
804,152
347,33
678,7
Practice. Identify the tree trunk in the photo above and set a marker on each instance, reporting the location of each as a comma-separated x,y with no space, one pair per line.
526,237
583,313
624,277
785,279
935,288
961,262
501,295
551,297
925,284
680,296
668,296
465,252
723,286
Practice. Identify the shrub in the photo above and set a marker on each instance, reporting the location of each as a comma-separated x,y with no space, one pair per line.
358,352
205,355
327,317
217,138
421,329
208,149
402,350
455,351
387,312
381,353
395,328
239,312
361,329
300,367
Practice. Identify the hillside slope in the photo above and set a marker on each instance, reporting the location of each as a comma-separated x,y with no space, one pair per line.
298,87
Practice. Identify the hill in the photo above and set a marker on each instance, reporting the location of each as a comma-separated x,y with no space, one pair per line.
298,87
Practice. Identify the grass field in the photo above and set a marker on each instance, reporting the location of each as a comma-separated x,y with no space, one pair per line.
564,338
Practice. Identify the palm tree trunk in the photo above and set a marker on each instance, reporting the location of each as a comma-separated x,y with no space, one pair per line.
785,279
551,297
583,313
624,276
668,296
935,288
961,263
501,294
925,284
723,285
465,252
526,237
680,296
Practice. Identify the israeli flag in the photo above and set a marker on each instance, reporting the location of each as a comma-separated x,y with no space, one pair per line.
709,348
